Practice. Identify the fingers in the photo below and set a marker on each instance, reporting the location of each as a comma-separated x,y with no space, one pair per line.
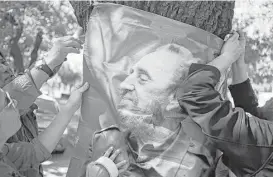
108,152
83,88
234,36
241,35
120,164
78,33
73,43
71,50
115,154
71,38
242,38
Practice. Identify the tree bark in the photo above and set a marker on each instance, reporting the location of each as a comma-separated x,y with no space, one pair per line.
34,53
212,16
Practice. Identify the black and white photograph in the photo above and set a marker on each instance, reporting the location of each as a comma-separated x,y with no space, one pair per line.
137,88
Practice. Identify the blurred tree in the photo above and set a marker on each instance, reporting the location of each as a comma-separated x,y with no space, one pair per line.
255,19
27,29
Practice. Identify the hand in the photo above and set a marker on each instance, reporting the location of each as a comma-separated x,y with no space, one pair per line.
231,51
75,99
239,67
234,47
113,156
3,99
61,48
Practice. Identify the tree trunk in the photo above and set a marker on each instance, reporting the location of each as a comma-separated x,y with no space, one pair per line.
212,16
15,50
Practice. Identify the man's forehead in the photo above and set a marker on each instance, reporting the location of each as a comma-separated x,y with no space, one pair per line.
164,60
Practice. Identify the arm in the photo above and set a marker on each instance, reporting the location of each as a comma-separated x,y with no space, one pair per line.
241,90
244,97
52,134
27,155
25,88
6,170
231,130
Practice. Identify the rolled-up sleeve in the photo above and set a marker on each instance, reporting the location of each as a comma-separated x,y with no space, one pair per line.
246,141
244,97
24,90
95,170
26,155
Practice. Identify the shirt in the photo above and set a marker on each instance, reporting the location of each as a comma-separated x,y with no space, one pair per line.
178,155
24,89
245,140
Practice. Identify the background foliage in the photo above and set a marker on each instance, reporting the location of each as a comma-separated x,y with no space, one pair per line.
255,19
54,19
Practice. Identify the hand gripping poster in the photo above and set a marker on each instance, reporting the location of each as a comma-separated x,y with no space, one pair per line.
129,49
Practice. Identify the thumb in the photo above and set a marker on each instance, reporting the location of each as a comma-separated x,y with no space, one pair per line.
242,37
234,36
83,88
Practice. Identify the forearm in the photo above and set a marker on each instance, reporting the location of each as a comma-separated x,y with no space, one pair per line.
222,62
52,134
239,73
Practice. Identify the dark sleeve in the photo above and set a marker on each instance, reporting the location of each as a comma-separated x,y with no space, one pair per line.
25,155
244,97
23,90
230,130
8,171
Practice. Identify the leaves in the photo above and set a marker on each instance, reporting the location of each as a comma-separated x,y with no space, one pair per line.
255,19
52,19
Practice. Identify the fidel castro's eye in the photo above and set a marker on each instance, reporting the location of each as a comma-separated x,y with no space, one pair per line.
143,77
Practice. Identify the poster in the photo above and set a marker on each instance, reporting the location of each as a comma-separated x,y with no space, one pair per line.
117,37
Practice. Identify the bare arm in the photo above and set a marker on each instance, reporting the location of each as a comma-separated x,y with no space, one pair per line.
52,134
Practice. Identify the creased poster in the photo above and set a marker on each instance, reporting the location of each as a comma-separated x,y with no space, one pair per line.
117,37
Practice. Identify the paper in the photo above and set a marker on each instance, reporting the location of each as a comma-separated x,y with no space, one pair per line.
117,37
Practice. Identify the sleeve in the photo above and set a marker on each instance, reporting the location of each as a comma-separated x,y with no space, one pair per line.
230,130
244,97
24,90
26,155
7,171
96,170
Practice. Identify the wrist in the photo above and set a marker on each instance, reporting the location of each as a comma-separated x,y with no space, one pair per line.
222,62
239,74
51,64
